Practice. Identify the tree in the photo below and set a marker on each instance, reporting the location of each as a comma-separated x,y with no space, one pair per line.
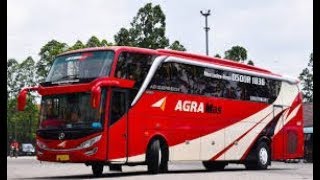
177,46
77,45
306,77
12,70
93,42
236,53
122,38
26,75
22,124
106,43
217,55
147,29
250,62
47,54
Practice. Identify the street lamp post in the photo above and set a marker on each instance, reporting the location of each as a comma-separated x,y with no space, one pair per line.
206,28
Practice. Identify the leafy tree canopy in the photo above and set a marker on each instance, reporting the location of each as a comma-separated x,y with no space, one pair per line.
177,46
147,30
47,54
250,62
93,42
217,55
306,77
77,45
236,53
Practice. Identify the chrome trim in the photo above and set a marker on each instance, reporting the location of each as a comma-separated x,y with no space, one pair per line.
71,149
156,63
61,150
91,152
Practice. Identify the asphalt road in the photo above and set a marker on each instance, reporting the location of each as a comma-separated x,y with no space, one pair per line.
30,168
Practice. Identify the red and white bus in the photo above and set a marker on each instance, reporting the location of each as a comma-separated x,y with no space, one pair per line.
115,106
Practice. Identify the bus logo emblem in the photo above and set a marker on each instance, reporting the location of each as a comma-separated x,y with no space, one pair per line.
160,104
61,136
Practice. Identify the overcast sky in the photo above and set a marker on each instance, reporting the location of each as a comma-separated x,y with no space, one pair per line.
278,34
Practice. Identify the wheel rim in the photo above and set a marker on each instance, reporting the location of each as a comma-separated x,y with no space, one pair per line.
263,156
159,157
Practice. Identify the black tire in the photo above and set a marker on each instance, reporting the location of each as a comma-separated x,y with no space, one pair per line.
156,158
214,166
261,157
97,169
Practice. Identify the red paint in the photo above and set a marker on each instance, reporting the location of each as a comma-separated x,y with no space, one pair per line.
280,141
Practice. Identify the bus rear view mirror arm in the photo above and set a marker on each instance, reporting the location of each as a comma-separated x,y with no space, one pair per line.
111,82
22,97
95,96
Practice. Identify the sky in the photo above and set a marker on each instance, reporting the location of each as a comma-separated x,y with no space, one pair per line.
278,35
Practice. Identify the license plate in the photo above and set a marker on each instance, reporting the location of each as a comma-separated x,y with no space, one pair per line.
62,157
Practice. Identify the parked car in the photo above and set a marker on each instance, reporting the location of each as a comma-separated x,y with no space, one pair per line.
27,149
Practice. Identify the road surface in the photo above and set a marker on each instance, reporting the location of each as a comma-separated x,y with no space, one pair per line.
30,168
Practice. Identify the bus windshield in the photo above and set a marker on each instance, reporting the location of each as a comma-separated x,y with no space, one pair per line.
83,65
70,111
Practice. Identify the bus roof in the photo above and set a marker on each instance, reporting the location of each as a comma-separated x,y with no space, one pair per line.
115,48
180,54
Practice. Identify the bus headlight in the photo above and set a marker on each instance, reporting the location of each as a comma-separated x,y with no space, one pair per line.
41,145
89,142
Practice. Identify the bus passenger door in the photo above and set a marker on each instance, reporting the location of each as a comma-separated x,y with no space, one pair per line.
117,136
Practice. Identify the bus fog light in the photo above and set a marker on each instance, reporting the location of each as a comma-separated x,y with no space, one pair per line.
39,153
91,152
89,142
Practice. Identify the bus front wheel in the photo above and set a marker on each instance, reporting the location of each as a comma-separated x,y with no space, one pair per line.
97,169
156,160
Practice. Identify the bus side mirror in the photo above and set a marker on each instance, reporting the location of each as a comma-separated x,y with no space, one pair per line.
22,99
95,96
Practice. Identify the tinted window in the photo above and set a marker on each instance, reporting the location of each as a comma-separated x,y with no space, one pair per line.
134,66
175,77
183,77
162,76
190,79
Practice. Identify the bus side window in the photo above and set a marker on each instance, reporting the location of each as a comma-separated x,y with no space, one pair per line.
133,66
121,67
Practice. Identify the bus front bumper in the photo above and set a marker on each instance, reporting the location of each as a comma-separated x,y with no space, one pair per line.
73,156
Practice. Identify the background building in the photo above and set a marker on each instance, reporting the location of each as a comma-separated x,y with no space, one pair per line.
308,131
